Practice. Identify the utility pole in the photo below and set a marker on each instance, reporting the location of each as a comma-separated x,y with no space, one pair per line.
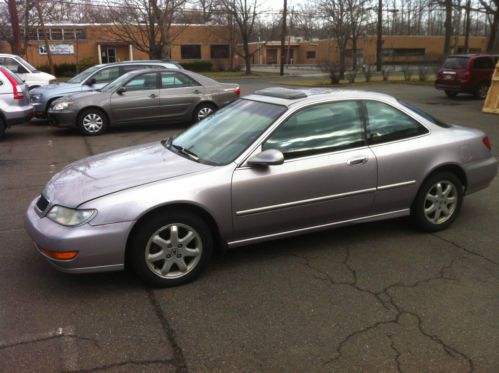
283,35
45,39
379,40
14,22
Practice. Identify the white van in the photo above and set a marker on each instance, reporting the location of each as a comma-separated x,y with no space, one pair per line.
31,76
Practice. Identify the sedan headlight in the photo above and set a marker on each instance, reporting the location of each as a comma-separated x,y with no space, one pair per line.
61,105
35,97
70,217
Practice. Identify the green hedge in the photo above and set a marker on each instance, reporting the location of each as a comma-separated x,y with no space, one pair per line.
68,69
198,66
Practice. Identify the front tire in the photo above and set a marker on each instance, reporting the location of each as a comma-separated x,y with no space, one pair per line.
202,111
451,94
92,122
171,249
438,202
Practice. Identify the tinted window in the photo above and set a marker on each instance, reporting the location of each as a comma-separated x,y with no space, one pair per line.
142,82
127,68
425,115
385,123
319,129
455,63
483,63
220,51
107,75
190,51
176,80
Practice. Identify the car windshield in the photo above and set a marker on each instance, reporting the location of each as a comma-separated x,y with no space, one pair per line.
27,65
84,75
425,115
116,83
223,136
455,63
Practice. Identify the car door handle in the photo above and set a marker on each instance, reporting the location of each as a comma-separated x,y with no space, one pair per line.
356,161
152,95
196,91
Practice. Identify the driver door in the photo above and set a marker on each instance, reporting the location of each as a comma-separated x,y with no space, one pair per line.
329,174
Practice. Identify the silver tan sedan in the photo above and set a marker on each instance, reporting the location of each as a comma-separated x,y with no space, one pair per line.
143,96
277,163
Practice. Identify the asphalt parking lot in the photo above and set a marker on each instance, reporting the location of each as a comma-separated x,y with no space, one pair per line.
372,297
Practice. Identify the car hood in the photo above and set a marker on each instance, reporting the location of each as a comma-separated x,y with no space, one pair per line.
57,88
117,170
94,96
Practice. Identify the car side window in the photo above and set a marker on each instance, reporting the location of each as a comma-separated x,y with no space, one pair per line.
177,80
142,82
127,68
483,63
319,129
385,123
12,65
106,75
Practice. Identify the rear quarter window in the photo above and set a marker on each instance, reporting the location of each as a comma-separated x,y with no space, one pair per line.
455,63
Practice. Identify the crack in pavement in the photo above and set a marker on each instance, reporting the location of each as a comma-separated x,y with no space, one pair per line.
449,350
471,252
178,355
397,353
45,337
123,363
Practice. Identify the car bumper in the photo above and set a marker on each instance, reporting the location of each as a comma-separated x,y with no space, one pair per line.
21,115
453,86
480,174
62,118
101,248
39,109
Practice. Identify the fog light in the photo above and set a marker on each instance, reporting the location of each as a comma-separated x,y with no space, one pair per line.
59,255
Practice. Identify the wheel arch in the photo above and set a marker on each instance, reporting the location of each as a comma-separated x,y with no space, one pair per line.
448,167
184,206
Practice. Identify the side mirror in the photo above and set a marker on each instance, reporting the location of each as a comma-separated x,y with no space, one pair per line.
121,90
270,157
91,81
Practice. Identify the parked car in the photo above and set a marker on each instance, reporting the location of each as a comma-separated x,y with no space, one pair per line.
143,96
30,74
466,73
91,79
15,107
274,164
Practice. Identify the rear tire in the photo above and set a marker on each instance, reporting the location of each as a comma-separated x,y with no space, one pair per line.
92,122
481,91
451,94
202,111
170,249
2,127
438,202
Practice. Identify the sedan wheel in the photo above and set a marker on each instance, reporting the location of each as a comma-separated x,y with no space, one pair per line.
203,111
170,249
92,122
438,202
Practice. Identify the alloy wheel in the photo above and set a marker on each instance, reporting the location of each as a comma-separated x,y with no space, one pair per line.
440,202
204,112
173,251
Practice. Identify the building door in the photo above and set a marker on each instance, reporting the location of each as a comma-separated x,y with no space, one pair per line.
108,54
271,56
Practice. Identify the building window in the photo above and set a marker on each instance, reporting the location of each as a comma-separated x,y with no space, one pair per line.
56,34
220,51
310,55
190,52
403,52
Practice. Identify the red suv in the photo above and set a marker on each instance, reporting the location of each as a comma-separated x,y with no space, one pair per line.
466,73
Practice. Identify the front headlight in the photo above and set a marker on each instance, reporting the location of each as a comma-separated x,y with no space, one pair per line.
61,105
52,81
70,217
36,97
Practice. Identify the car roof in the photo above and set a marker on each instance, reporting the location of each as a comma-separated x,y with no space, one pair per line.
289,96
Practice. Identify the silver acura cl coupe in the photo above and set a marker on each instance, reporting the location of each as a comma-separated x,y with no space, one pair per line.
273,164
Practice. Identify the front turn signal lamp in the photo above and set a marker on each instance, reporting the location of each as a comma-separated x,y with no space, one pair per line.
59,255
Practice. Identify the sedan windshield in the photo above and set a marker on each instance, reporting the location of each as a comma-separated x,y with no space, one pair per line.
84,75
223,136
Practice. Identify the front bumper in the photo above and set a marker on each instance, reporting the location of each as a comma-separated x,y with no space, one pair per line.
62,118
39,109
101,248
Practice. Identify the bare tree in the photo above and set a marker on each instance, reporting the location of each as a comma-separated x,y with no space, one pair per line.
357,18
492,8
244,13
337,24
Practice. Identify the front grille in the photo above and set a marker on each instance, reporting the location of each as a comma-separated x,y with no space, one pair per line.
42,203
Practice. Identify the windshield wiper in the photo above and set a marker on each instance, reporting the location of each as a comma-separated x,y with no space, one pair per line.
185,151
